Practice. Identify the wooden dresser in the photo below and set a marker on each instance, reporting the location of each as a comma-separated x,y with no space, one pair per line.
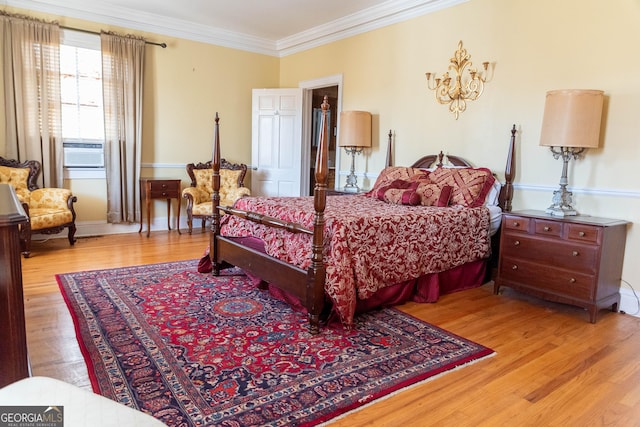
14,359
574,260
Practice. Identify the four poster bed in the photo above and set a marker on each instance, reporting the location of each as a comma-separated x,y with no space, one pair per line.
422,231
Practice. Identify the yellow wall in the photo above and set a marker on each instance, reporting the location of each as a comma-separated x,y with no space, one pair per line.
536,47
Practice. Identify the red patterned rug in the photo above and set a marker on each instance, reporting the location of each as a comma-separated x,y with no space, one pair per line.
196,350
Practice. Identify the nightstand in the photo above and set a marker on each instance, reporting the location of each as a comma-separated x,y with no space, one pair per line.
574,260
159,188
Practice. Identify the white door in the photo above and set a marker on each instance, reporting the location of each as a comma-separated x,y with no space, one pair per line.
276,142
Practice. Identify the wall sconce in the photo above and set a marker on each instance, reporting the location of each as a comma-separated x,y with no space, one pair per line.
355,135
570,125
457,94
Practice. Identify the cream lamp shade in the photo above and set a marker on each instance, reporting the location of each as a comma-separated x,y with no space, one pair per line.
572,118
355,129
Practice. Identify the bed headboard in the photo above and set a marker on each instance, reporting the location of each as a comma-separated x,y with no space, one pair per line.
434,160
437,160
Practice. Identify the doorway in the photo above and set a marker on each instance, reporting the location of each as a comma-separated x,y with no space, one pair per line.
317,96
313,94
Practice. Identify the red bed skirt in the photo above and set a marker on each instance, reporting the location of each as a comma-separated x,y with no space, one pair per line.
427,288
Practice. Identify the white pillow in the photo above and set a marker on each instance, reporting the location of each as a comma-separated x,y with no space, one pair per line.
493,196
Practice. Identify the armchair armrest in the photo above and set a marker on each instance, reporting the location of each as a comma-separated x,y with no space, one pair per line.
52,198
197,195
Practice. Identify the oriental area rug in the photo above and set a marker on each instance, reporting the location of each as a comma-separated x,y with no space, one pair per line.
192,349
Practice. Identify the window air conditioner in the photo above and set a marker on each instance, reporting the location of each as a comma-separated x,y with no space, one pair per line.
83,154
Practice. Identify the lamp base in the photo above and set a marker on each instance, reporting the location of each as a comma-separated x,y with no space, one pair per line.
561,205
562,199
352,179
351,189
561,211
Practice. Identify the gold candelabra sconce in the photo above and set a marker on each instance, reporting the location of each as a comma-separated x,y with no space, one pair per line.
454,89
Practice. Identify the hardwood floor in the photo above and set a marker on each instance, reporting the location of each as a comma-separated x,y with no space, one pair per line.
552,367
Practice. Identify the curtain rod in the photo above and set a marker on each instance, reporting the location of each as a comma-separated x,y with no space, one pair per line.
162,45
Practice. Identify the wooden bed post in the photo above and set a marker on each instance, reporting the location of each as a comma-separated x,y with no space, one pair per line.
389,149
316,282
215,199
506,194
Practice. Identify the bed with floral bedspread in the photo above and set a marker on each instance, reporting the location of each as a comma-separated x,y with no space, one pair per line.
369,244
356,252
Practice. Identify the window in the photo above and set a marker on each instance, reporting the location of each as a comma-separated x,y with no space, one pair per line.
82,105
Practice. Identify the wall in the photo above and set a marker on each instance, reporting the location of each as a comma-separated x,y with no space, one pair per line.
536,47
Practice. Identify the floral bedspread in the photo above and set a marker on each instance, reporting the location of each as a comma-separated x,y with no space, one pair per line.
369,244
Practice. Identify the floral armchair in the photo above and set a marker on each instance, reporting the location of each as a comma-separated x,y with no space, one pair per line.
198,195
50,210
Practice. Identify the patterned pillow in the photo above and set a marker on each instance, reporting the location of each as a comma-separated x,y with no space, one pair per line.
470,185
400,192
434,195
393,173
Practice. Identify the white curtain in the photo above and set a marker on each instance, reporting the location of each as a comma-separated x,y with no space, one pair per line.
31,73
122,75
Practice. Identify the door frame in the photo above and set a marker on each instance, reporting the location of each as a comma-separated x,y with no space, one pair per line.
307,87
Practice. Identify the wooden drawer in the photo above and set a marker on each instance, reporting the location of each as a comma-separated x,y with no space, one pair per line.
561,253
558,281
516,223
584,233
162,189
548,228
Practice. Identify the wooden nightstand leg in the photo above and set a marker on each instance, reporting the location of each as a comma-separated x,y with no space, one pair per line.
168,214
141,210
148,203
178,217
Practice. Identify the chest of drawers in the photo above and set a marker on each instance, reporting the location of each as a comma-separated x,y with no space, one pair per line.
574,260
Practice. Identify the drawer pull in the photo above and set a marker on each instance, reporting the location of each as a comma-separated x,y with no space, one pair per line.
516,224
575,253
514,267
581,234
516,243
547,228
572,280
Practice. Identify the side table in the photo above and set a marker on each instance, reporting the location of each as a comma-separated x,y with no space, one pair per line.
159,188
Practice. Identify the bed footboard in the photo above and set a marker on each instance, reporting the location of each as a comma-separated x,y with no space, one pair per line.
307,285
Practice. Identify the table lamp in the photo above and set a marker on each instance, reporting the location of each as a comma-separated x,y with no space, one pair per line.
571,124
355,135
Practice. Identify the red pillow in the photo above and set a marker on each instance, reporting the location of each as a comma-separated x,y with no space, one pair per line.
400,192
433,195
470,185
393,173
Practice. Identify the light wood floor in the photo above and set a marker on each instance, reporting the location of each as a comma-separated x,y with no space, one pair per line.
552,367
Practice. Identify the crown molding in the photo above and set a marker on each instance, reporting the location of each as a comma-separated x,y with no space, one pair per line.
387,13
380,16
